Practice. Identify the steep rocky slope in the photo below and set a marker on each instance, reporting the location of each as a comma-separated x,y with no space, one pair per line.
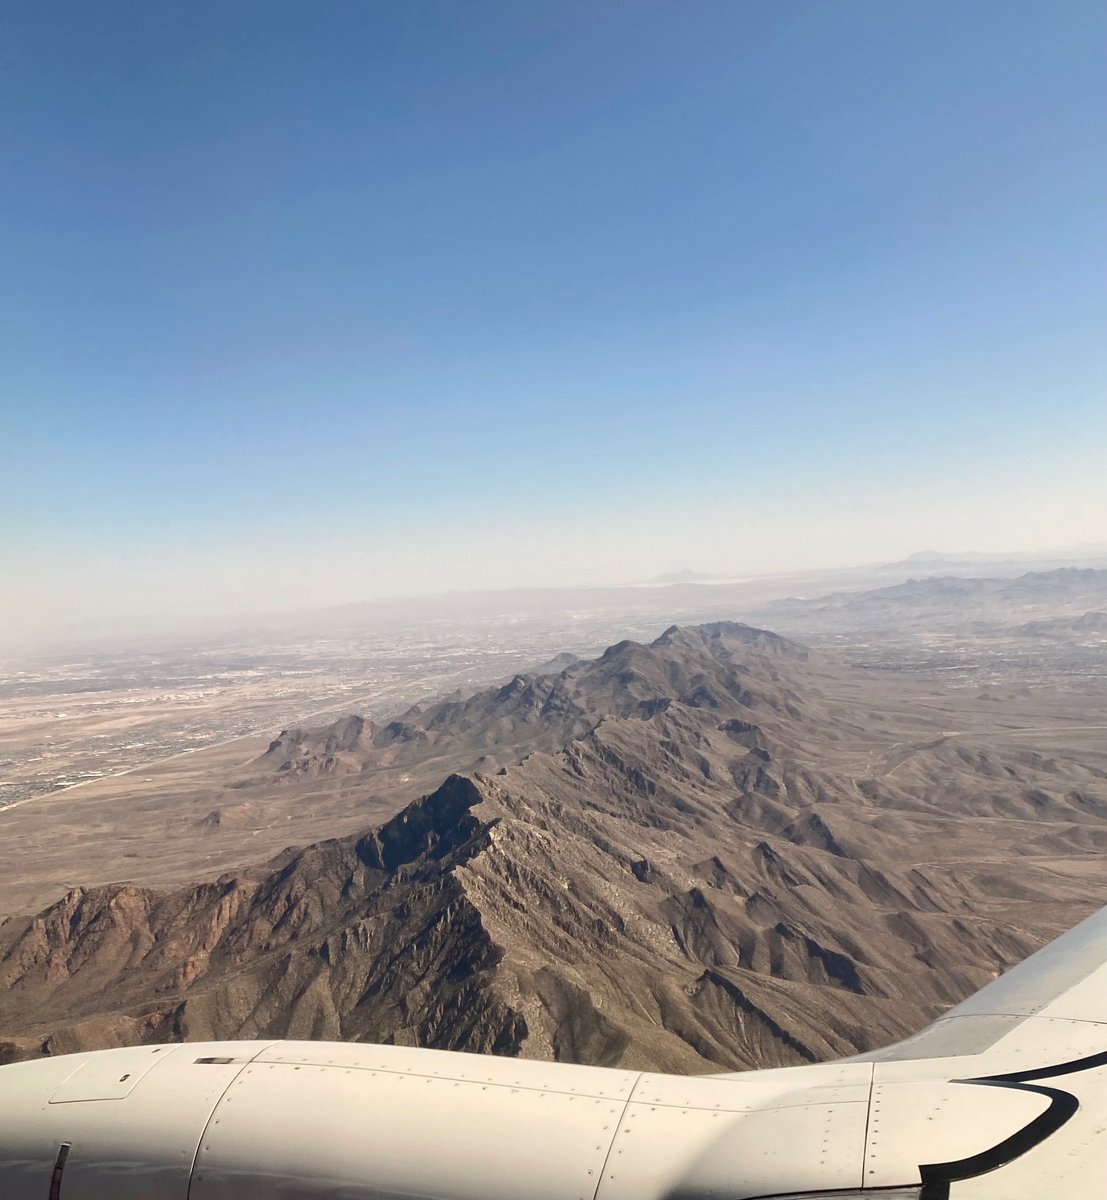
686,872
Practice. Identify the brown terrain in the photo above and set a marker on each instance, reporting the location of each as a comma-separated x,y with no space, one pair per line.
718,849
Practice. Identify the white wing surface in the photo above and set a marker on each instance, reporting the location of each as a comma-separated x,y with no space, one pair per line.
1004,1098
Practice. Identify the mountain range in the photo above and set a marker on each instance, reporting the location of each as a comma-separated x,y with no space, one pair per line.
953,601
714,850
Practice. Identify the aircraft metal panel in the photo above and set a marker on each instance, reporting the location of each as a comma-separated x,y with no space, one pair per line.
140,1146
602,1082
672,1153
29,1140
110,1076
1070,1161
1085,1001
305,1131
845,1072
742,1093
911,1124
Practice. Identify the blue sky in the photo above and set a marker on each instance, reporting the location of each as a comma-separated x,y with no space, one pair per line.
427,294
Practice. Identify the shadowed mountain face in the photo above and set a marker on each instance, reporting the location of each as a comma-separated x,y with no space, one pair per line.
691,861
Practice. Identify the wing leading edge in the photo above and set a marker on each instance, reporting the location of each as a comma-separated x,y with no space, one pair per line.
1034,1006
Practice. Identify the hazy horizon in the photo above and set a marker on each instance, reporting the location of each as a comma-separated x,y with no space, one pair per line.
306,308
109,628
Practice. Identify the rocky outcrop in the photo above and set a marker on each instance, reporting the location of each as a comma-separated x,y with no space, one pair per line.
335,749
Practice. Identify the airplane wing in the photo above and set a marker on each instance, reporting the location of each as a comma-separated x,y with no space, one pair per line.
1003,1098
1054,999
1039,1031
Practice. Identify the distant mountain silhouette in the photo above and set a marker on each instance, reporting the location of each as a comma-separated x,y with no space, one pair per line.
1086,623
944,601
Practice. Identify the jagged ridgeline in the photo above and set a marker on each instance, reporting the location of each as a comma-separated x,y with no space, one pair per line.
691,854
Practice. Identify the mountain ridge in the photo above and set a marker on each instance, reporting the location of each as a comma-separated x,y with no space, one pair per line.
666,876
